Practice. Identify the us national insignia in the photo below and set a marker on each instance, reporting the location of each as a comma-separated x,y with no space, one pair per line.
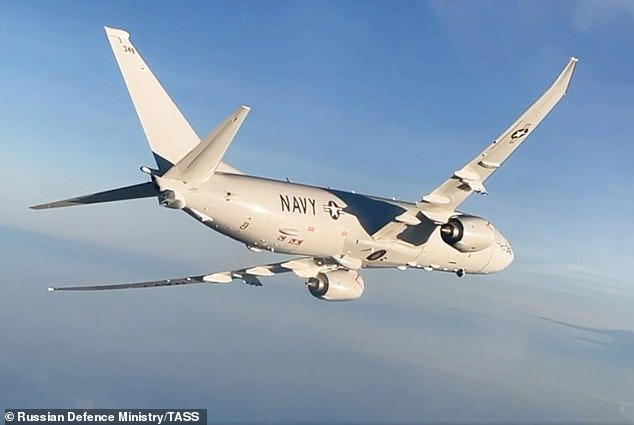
519,133
333,209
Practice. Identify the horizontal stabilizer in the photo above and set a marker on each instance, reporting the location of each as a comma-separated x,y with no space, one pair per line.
142,190
201,162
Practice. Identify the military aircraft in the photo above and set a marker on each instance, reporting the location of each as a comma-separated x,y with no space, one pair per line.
334,233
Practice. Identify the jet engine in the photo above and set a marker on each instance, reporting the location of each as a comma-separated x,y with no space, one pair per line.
336,285
468,233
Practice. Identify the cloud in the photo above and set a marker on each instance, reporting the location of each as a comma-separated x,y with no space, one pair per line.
589,277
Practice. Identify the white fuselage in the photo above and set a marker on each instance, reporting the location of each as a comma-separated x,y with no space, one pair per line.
293,218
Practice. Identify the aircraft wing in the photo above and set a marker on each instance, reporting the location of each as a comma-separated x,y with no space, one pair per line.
303,267
470,178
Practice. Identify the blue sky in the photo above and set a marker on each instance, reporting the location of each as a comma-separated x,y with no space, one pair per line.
385,98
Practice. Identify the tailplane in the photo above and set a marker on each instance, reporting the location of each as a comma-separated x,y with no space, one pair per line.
202,162
137,191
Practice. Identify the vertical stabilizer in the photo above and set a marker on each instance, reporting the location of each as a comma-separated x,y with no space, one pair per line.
169,134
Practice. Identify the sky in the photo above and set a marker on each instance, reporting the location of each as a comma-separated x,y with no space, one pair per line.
385,98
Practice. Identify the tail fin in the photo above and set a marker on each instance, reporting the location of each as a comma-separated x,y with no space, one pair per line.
169,134
141,190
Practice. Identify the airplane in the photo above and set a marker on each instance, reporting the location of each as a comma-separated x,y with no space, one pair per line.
334,234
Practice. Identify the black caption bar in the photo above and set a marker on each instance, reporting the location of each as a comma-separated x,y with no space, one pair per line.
106,416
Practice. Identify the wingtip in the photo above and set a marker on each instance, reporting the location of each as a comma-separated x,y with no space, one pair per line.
39,207
50,289
574,59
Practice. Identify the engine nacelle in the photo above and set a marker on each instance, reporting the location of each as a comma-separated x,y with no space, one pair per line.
468,233
336,285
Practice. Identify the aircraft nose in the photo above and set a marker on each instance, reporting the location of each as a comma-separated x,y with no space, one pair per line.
509,256
501,258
